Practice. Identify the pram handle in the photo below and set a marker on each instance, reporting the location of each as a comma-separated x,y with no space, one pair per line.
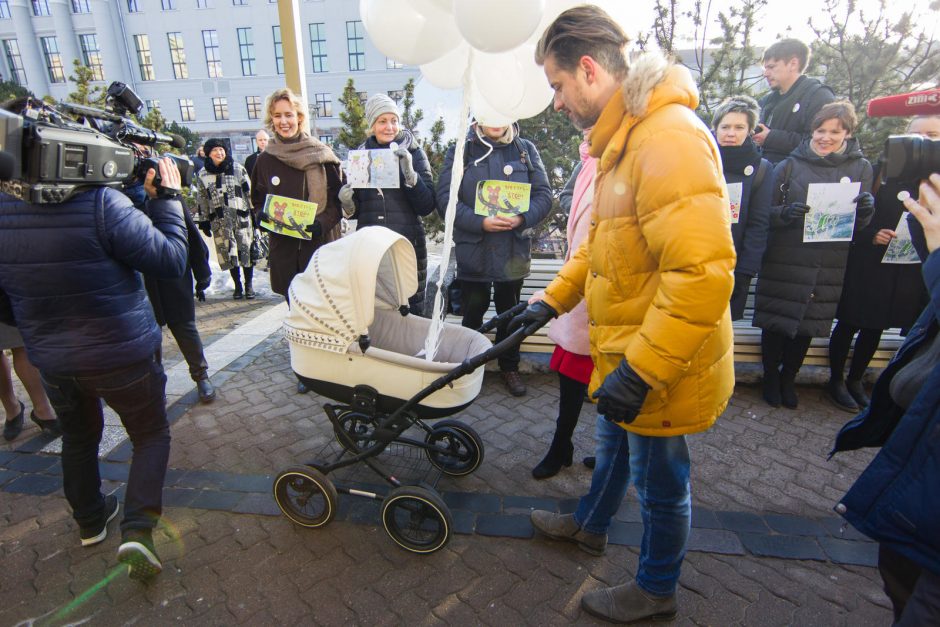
493,322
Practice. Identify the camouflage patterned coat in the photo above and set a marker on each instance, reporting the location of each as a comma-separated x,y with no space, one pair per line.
223,200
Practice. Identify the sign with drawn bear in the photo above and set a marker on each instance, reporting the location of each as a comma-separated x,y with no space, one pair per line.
288,216
502,198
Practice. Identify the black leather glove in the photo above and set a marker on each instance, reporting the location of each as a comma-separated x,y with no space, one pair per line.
793,211
864,206
201,286
533,318
621,395
205,227
201,295
315,229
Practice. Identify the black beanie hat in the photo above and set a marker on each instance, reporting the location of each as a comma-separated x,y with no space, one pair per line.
213,143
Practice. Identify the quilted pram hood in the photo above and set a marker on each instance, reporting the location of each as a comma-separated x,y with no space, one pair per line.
334,300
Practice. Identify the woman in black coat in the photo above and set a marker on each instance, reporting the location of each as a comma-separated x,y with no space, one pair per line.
800,283
877,296
399,209
735,119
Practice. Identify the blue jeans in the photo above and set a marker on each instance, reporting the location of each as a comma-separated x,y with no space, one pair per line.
659,467
137,393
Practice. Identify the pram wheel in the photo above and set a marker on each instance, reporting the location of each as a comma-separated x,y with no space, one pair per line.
417,519
305,496
352,430
456,449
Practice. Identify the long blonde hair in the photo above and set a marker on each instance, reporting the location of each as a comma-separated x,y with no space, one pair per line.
298,105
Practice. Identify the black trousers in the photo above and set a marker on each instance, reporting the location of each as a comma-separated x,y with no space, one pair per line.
779,352
187,338
865,347
914,591
475,299
570,401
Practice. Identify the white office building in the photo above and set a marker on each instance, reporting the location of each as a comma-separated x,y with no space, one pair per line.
207,64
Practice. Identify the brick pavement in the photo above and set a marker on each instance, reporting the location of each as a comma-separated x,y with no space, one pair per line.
228,568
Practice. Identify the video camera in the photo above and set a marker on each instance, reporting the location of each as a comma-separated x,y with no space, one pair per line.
51,152
908,157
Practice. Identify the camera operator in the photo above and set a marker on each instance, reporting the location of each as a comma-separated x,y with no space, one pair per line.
69,280
894,501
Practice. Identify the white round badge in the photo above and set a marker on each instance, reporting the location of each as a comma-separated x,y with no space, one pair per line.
507,169
796,107
275,180
845,179
393,145
903,195
749,170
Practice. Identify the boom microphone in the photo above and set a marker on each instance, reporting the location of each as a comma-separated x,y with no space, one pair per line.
902,105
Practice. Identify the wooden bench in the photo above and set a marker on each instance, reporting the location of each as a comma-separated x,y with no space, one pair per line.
746,337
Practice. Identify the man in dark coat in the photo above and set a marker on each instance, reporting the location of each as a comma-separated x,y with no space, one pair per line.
70,278
788,110
198,159
261,138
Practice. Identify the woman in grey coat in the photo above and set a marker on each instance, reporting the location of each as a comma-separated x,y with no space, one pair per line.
799,283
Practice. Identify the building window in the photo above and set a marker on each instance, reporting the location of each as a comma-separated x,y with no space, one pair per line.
187,110
202,4
323,105
318,47
132,6
253,103
210,41
177,55
41,7
168,5
246,47
392,64
80,6
327,139
50,50
220,108
152,105
15,61
397,95
91,55
278,50
144,59
5,10
356,47
240,3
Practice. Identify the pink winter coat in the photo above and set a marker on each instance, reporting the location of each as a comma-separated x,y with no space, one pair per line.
570,330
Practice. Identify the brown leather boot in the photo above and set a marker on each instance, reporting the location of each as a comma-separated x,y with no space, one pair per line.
563,527
628,603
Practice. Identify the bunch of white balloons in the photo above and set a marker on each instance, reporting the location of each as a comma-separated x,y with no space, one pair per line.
490,42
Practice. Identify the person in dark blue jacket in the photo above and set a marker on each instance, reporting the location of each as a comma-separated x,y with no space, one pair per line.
735,119
493,252
70,278
399,209
896,500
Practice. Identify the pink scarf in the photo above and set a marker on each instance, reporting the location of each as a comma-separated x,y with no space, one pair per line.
582,199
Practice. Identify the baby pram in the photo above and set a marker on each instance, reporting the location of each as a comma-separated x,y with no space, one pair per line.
352,340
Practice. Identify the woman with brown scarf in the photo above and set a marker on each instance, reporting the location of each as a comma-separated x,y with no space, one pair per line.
296,165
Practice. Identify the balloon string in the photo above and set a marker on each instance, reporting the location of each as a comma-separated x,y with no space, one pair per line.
433,341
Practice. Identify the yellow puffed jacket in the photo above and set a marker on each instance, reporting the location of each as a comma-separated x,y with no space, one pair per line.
657,268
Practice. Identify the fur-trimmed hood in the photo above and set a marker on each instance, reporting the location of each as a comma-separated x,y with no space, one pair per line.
652,82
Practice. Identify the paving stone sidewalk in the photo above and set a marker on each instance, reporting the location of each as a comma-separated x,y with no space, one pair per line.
760,478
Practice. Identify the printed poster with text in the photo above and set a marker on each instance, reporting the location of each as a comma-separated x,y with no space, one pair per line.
372,169
735,191
831,216
901,247
288,216
502,198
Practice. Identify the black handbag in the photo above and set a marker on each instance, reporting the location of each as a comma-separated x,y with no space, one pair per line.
259,247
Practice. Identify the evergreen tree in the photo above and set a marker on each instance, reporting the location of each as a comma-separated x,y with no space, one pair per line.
411,117
193,139
85,93
353,117
436,149
10,90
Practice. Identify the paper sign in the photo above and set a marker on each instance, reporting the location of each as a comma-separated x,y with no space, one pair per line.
288,216
901,248
735,190
502,198
372,169
831,217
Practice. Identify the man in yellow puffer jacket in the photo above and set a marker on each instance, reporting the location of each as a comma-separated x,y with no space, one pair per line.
657,273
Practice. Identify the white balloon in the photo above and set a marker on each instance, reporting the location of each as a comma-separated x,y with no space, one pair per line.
553,8
441,5
484,113
406,34
447,71
500,78
537,94
497,25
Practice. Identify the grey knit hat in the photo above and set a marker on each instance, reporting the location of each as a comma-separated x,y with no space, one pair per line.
376,105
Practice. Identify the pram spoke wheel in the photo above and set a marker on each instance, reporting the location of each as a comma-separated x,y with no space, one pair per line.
352,430
455,448
417,519
305,496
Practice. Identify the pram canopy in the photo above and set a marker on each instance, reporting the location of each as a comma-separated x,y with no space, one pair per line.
333,301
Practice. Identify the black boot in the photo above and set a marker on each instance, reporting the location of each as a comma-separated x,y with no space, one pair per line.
236,276
559,454
857,390
840,397
788,397
249,290
771,387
